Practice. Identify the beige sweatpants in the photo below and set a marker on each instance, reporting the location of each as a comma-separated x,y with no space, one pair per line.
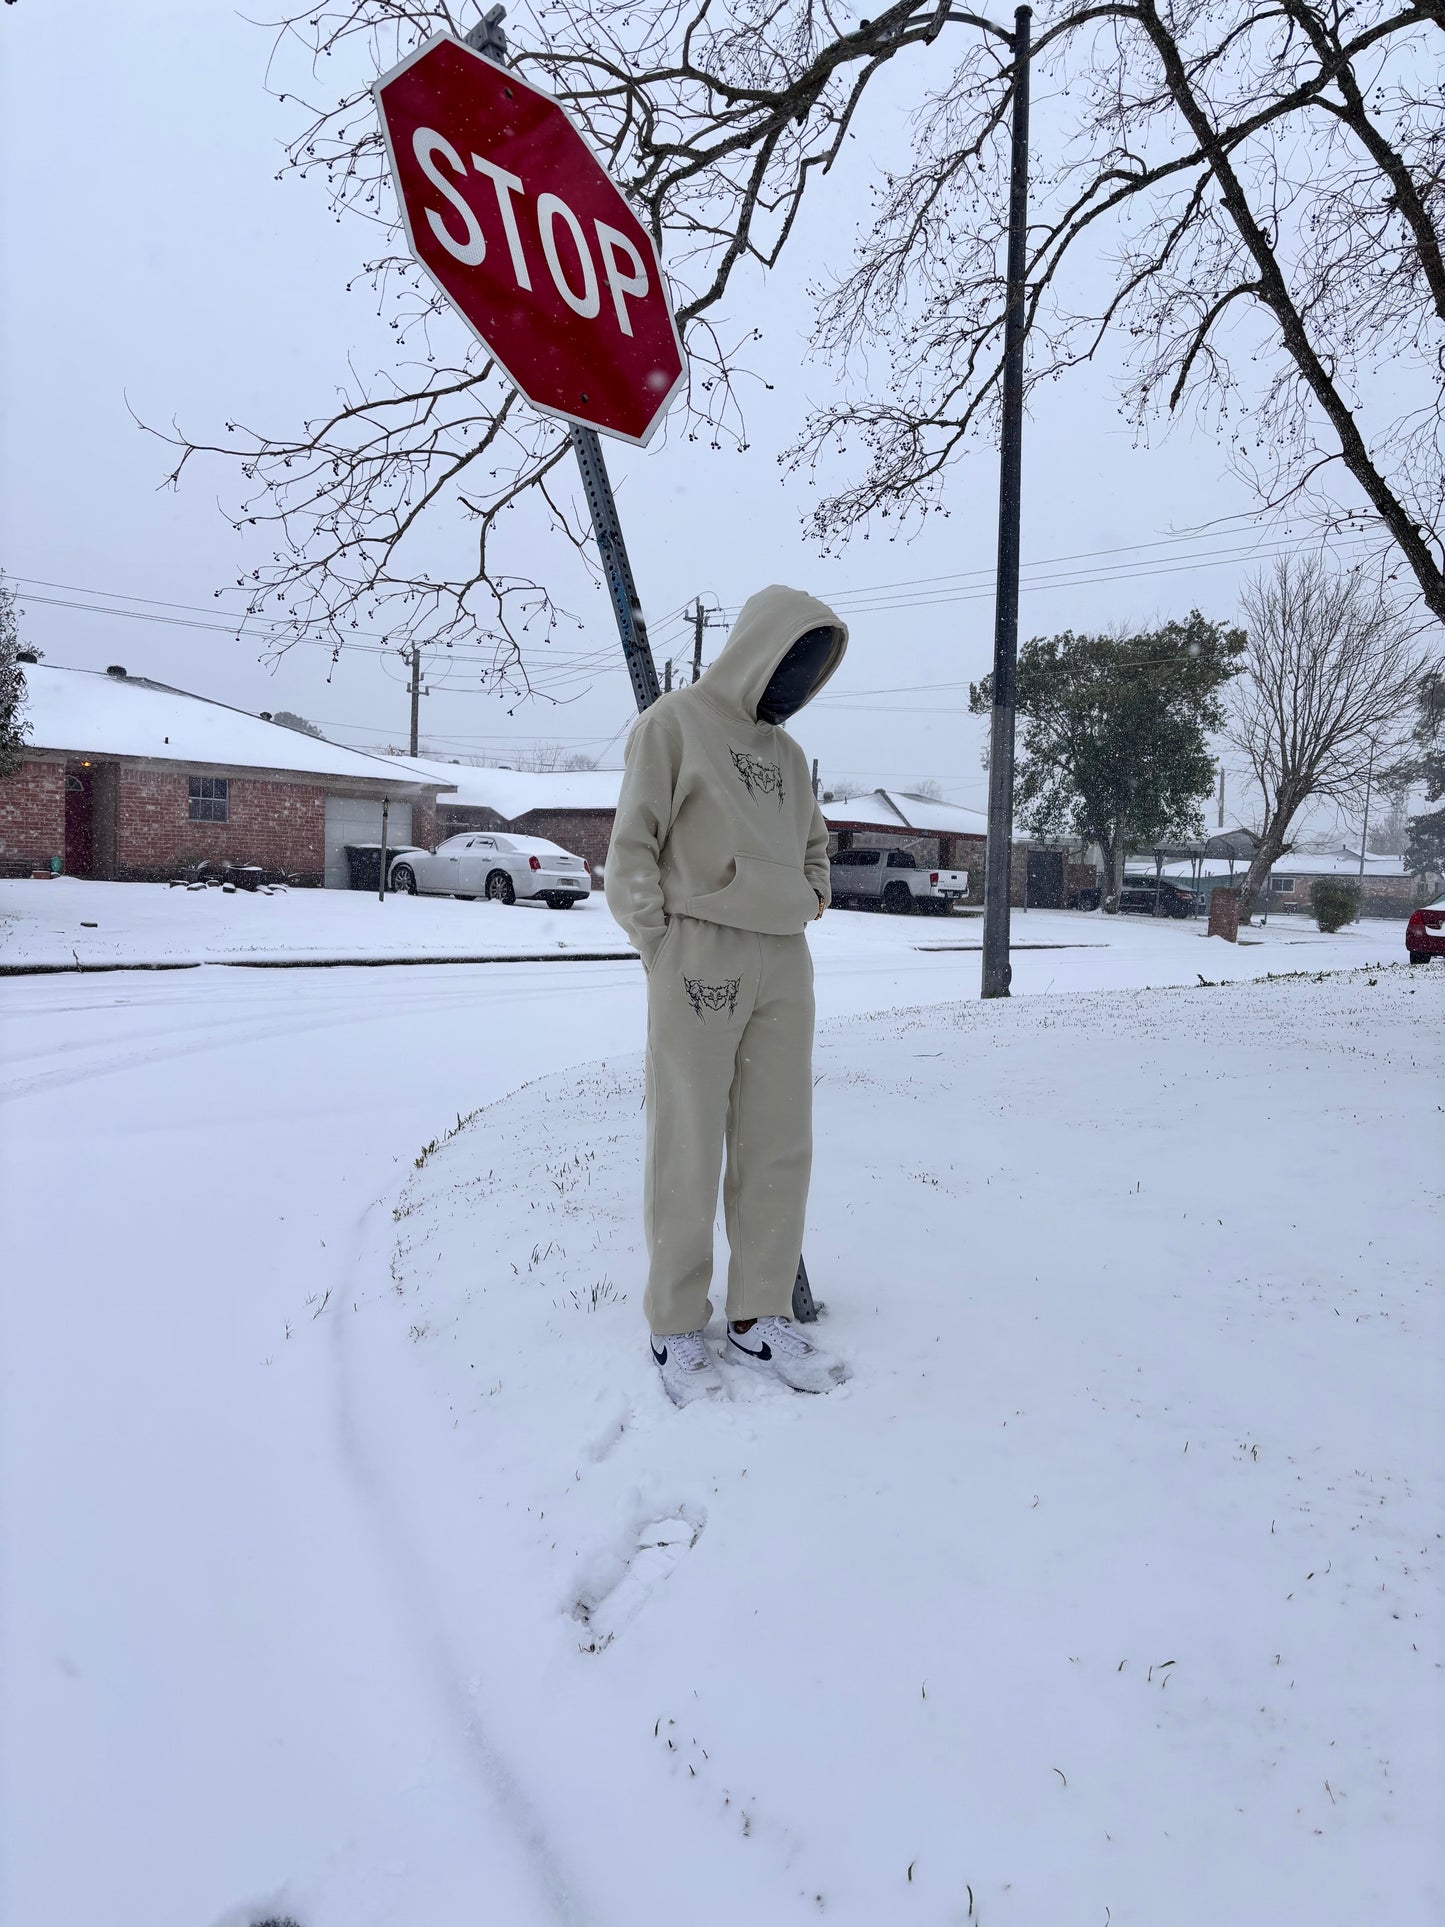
729,1062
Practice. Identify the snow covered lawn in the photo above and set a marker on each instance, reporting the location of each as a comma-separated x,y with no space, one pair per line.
1109,1588
356,1572
68,920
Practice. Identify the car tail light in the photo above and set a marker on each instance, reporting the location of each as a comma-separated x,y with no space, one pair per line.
933,876
534,863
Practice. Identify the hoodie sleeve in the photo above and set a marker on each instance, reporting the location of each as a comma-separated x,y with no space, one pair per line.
644,816
816,866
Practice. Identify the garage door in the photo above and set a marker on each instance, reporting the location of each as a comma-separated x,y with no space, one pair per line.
357,819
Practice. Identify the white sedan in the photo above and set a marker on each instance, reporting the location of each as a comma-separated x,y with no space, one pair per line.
483,863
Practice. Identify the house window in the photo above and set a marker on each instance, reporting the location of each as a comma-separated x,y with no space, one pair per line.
1282,886
210,799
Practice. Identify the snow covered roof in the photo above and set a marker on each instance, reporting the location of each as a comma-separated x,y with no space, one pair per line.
898,810
89,712
513,792
1300,863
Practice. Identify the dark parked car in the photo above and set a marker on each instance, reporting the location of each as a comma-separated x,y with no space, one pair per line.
1143,898
1425,932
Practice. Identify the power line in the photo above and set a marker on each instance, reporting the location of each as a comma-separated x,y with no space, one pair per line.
881,595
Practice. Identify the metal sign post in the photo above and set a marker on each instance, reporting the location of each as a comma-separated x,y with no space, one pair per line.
607,528
998,861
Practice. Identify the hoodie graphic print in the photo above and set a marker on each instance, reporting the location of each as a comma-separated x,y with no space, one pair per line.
757,777
716,818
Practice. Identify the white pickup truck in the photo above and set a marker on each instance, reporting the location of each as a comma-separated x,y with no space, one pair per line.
893,880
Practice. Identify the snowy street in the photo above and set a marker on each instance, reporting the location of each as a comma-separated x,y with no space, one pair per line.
357,1573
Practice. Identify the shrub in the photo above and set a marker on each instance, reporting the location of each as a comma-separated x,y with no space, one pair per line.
1335,901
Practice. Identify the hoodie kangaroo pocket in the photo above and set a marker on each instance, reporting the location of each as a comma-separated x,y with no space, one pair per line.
775,898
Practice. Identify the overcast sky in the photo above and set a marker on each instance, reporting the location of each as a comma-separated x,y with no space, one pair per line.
153,263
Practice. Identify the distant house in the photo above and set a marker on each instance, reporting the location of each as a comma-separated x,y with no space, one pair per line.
1389,889
128,779
1042,875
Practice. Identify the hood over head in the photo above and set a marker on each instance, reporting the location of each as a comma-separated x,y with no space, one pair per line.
768,625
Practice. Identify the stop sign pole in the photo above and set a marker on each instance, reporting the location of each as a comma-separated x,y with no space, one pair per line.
489,40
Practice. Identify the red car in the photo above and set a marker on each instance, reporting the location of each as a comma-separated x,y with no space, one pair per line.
1425,932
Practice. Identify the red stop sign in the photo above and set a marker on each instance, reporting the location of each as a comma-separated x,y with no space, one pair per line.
514,219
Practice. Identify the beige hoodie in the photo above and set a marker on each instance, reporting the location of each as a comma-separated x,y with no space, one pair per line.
716,819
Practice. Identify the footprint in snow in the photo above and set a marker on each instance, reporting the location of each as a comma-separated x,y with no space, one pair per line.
625,1588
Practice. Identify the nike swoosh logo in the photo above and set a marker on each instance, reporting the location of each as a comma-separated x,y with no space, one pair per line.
764,1351
660,1356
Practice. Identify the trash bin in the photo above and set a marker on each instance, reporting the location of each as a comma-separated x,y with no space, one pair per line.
363,866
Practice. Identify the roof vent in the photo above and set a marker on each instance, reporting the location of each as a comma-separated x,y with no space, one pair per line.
26,655
116,669
265,715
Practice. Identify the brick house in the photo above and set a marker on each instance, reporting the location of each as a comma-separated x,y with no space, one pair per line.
128,780
1389,889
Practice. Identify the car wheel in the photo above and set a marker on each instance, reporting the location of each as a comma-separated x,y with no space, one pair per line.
500,888
403,880
563,903
898,900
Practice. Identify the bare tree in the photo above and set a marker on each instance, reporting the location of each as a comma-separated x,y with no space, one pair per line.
1331,676
1244,197
553,758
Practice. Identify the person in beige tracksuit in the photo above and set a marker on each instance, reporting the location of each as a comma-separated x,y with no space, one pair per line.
718,862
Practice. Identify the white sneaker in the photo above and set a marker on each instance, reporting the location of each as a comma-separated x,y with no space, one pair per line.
689,1370
776,1346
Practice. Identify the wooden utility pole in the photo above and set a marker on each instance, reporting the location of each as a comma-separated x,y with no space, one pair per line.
699,623
1221,796
667,676
1365,826
998,860
415,687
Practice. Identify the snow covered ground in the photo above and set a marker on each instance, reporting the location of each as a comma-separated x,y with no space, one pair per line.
67,921
356,1572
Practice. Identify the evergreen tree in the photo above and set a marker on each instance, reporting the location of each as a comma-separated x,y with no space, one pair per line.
1114,745
1425,852
13,728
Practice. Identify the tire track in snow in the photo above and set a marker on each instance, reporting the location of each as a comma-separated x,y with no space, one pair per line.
233,1031
405,1565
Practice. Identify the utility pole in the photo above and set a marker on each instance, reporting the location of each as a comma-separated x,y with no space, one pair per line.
699,623
1365,826
1221,796
667,676
415,687
815,779
489,40
998,862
